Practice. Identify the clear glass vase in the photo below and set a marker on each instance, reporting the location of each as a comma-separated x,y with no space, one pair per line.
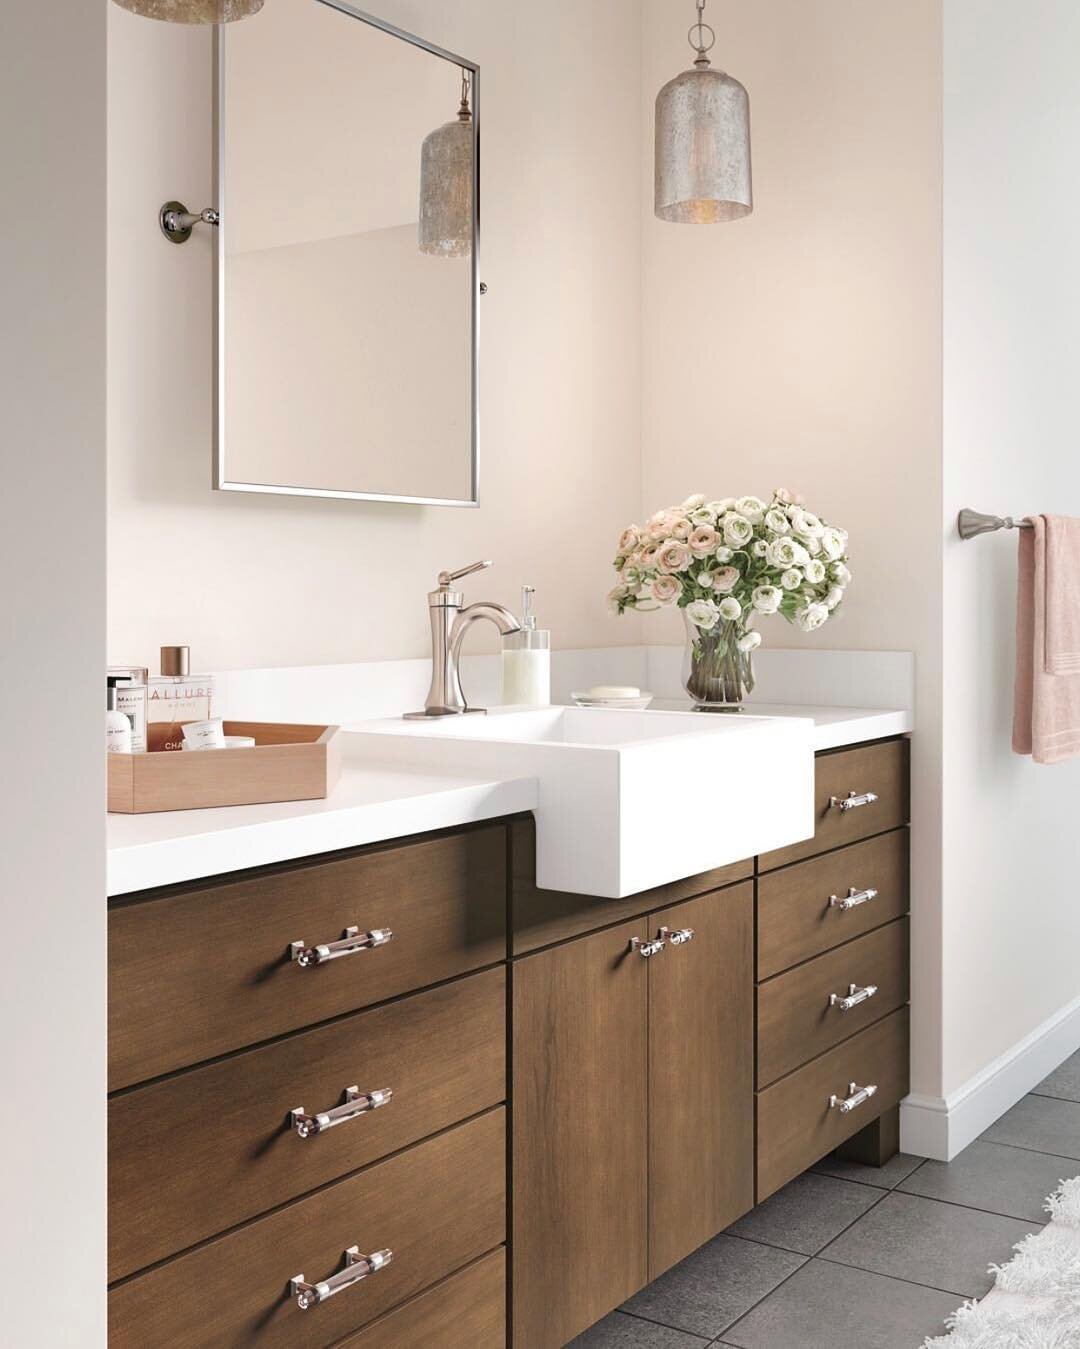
716,674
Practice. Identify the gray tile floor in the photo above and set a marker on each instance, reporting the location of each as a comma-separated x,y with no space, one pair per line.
852,1257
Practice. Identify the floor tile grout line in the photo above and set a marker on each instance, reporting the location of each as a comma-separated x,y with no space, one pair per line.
931,1287
972,1208
1042,1152
869,1184
1049,1096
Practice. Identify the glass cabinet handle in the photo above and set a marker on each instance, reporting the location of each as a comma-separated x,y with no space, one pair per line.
356,1103
647,948
855,995
852,801
351,943
856,1096
852,899
678,936
357,1267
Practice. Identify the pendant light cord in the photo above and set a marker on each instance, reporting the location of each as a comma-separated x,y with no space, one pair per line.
700,44
464,114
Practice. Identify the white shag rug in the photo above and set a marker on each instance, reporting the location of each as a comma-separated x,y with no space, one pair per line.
1035,1301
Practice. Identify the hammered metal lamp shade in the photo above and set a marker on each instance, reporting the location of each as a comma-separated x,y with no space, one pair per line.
446,190
192,11
703,148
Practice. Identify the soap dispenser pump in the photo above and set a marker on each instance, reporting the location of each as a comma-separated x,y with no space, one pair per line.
526,660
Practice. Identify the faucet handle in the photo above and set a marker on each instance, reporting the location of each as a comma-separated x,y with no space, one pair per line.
446,577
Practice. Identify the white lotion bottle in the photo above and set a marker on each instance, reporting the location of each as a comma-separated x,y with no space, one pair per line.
117,725
526,660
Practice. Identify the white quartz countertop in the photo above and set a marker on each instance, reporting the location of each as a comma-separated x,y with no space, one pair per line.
372,803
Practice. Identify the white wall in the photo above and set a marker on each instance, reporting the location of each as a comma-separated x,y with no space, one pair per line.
801,346
52,625
1012,430
249,580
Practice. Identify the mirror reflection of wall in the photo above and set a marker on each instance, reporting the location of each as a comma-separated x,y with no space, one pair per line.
347,353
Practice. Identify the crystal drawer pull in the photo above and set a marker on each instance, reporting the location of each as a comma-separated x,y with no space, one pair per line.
678,936
352,941
855,995
356,1103
856,1096
852,899
852,801
357,1267
647,948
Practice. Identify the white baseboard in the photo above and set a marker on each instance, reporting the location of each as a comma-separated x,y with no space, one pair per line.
932,1126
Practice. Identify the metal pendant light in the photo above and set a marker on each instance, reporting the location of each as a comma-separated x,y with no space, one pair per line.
193,11
446,184
702,141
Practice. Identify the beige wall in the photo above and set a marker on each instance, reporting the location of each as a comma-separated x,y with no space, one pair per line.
250,580
52,617
801,346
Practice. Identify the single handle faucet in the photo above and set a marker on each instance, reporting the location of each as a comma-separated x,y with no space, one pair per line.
449,624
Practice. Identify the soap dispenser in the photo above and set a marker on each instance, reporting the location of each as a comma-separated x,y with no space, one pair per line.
526,660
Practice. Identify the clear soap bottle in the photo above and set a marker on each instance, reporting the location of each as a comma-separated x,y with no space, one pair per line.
526,660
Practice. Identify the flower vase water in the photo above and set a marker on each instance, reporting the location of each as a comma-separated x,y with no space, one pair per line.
726,564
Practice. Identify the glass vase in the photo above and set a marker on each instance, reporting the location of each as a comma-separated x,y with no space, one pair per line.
716,674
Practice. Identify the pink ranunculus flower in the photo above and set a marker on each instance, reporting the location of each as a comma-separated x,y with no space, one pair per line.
666,589
673,556
657,530
680,529
725,579
703,540
628,541
647,556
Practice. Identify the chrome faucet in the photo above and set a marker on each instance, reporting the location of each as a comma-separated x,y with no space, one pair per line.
449,624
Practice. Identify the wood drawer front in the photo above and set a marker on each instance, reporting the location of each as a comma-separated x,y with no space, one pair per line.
437,1206
882,768
542,917
796,920
197,974
795,1020
795,1124
465,1311
202,1151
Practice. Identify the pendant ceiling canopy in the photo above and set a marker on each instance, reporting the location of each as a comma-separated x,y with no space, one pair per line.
446,184
193,11
702,141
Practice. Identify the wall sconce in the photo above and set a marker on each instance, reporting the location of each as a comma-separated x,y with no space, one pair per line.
192,11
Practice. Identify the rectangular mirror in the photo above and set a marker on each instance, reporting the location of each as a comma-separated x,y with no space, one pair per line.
348,185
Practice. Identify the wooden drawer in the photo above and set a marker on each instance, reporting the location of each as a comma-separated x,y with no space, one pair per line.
882,768
465,1311
437,1206
198,973
795,1019
796,920
202,1151
795,1124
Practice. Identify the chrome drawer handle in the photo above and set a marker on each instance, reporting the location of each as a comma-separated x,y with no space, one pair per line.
855,995
647,948
678,936
352,941
357,1267
852,899
356,1103
856,1096
852,801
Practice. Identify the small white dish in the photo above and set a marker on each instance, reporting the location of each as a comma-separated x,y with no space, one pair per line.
633,704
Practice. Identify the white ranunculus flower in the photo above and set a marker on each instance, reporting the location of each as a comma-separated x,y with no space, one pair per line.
832,543
812,544
777,521
840,574
730,609
767,599
719,507
703,516
703,614
738,531
805,522
723,553
614,596
802,557
725,580
811,616
749,641
760,548
704,579
693,502
815,571
782,553
792,579
833,598
752,507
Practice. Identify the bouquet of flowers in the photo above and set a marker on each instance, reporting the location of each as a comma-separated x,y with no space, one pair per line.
725,563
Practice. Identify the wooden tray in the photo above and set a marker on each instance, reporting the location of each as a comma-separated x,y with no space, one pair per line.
288,763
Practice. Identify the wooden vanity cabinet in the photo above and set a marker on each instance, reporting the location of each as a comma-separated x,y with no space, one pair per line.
632,1090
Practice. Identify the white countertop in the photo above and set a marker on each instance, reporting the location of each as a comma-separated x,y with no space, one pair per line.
371,804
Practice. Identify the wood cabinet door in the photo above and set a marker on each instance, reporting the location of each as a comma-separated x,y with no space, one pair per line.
701,1074
579,1120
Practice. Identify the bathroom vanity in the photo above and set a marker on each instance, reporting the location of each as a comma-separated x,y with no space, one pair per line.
398,1094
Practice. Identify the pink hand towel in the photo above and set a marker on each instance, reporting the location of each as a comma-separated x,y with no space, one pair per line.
1046,709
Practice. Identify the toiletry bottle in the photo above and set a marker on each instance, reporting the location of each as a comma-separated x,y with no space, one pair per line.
176,696
526,660
117,726
131,693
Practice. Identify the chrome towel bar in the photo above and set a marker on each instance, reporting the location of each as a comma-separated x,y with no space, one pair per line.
971,523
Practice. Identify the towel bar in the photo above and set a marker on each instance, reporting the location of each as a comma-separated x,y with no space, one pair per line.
971,523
